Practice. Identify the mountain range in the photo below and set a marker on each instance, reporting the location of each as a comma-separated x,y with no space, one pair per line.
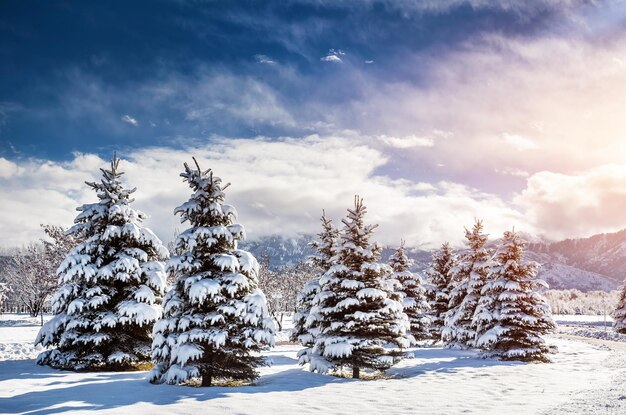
586,264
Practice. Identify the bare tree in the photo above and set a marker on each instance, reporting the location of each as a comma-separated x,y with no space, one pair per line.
60,243
281,287
174,250
31,271
30,278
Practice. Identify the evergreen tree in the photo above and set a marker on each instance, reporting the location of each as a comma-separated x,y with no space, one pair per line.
512,315
469,277
440,278
306,317
359,315
412,293
619,315
215,318
111,285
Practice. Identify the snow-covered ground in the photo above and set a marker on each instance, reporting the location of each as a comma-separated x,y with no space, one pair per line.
595,327
17,333
585,377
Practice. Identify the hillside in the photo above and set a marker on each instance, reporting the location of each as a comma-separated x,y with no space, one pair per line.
603,254
596,263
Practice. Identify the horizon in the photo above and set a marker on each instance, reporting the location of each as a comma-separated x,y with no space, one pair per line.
436,113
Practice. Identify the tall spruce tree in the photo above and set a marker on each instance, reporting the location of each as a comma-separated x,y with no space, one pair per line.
359,316
512,315
619,315
440,278
413,294
111,285
306,317
215,318
469,277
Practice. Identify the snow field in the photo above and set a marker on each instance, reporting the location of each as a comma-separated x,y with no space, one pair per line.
436,381
17,334
593,327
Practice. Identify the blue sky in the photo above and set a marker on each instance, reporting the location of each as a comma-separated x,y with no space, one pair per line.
460,108
72,70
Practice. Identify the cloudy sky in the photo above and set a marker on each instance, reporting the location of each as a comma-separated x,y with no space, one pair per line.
435,111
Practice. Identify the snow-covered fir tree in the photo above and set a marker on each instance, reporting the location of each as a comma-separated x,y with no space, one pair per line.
469,277
413,294
111,285
619,315
440,278
305,319
359,317
512,316
215,319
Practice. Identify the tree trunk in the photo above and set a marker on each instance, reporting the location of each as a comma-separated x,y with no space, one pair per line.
278,322
355,372
207,379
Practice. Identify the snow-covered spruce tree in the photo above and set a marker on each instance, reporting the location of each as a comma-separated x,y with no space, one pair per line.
439,278
111,286
619,315
215,317
412,292
469,277
305,319
359,317
512,315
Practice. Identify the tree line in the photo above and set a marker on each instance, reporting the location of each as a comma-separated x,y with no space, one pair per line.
114,310
360,313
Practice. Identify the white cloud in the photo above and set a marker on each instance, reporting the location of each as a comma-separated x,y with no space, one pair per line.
130,120
498,95
512,172
264,59
407,141
569,205
214,98
281,186
518,142
333,56
39,191
278,186
7,168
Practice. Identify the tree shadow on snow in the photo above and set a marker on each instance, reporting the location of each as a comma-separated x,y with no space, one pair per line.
109,390
60,392
281,359
441,360
26,369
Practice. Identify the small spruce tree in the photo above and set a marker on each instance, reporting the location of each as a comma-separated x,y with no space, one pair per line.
440,277
306,317
215,317
469,277
413,294
359,316
619,315
111,286
512,315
